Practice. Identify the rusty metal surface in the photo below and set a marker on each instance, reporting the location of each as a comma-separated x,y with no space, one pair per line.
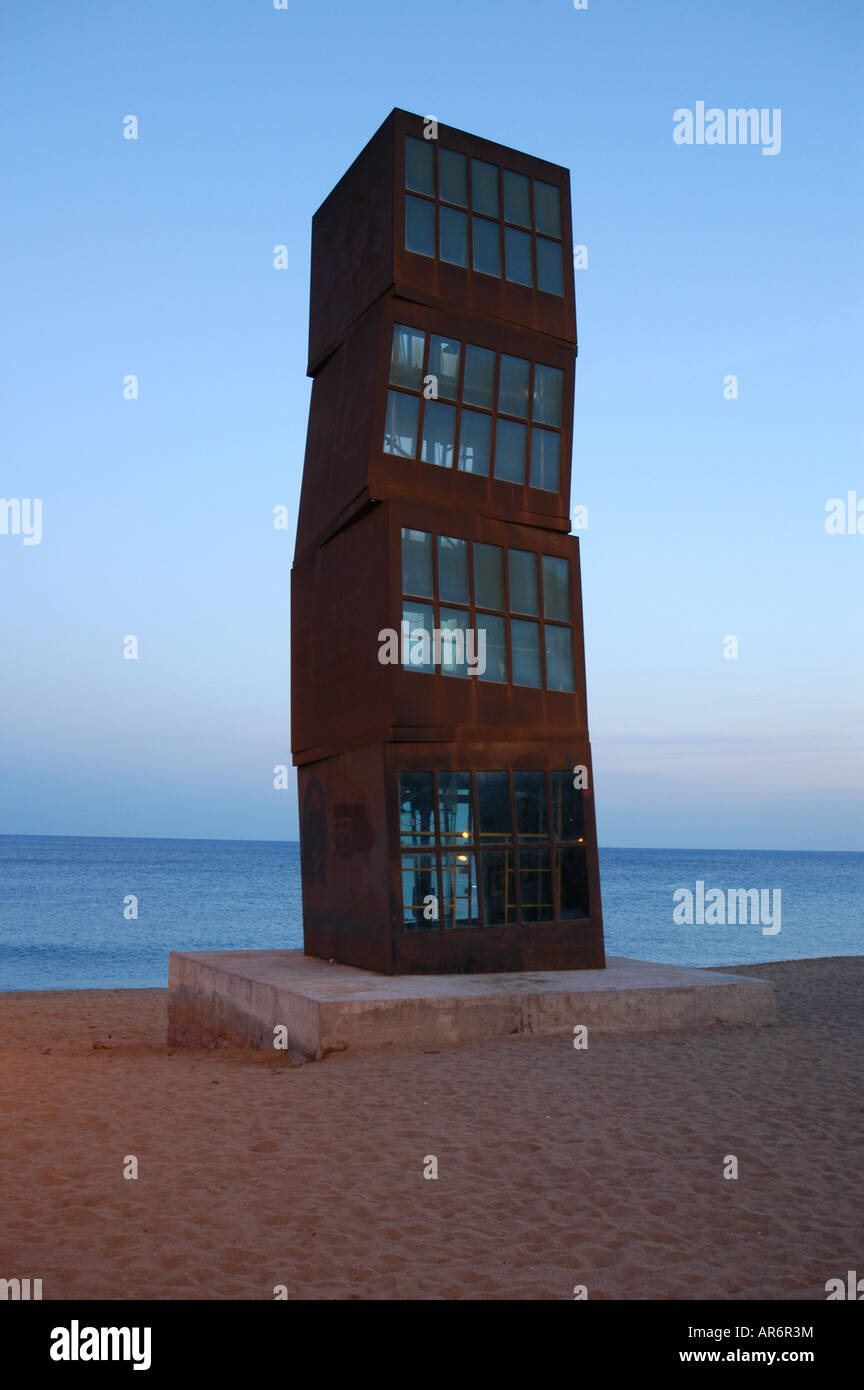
356,723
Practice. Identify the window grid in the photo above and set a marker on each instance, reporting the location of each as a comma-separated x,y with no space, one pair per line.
539,237
522,852
475,612
530,422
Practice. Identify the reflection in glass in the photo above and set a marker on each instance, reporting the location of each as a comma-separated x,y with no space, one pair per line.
400,426
417,637
535,886
572,875
479,376
568,815
517,198
487,247
417,563
550,273
556,588
419,226
522,574
452,570
406,357
529,793
525,648
420,892
499,887
439,425
453,236
459,890
493,806
496,647
510,451
454,625
547,208
484,187
454,807
513,386
420,165
444,365
559,658
416,808
474,434
452,173
545,457
548,394
517,253
489,576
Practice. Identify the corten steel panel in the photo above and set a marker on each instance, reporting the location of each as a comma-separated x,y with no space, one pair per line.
346,592
358,240
345,861
346,465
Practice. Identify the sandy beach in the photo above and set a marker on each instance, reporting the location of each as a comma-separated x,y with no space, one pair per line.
556,1167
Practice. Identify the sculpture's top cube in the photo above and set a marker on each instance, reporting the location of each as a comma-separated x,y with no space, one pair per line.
439,217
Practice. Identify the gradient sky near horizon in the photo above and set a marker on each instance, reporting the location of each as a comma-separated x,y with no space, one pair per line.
706,516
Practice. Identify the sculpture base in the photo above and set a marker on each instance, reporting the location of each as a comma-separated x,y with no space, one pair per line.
246,998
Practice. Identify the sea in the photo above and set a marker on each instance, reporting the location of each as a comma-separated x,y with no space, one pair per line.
87,913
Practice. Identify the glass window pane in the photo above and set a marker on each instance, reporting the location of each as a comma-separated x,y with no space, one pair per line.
487,247
455,813
572,873
484,187
459,890
493,806
417,563
400,426
452,570
494,649
479,380
513,386
406,357
568,814
499,887
556,587
517,198
517,252
454,654
453,236
510,451
416,808
444,365
439,425
420,165
421,895
550,272
547,208
545,459
548,394
529,794
525,646
522,575
474,434
489,576
535,886
418,621
452,173
419,226
559,658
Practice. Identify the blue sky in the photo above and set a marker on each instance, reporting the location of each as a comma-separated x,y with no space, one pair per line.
706,516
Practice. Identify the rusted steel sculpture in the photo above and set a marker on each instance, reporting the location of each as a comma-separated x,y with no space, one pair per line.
438,687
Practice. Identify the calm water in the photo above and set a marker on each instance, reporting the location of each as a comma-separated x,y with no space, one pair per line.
62,899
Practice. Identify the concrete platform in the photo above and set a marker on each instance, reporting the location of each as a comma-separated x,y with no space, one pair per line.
239,998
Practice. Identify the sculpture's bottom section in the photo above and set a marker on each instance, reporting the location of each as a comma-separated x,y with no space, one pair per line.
442,858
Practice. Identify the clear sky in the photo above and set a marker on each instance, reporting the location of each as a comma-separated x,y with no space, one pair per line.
706,515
